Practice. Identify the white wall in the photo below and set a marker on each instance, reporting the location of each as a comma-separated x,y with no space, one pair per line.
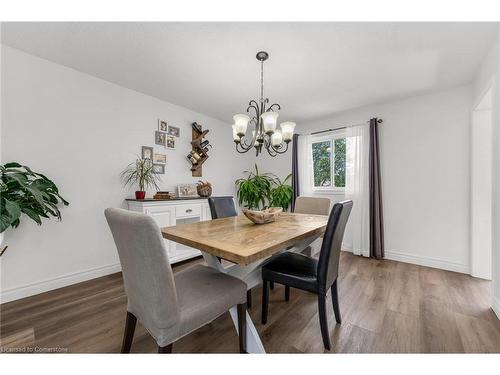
481,189
488,76
424,145
81,132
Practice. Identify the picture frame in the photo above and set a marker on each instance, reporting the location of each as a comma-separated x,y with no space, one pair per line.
162,126
160,138
170,142
174,131
160,158
147,152
159,168
187,190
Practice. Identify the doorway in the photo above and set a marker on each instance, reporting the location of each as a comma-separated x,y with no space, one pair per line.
481,187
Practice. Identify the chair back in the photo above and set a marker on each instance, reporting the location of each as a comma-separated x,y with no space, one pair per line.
312,205
222,207
147,274
328,264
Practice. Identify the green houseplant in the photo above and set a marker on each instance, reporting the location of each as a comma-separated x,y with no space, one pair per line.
259,191
23,191
281,193
140,172
253,191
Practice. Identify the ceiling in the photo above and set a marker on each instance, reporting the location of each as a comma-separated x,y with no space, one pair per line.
314,69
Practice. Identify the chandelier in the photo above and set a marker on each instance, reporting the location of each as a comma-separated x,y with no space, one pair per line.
263,118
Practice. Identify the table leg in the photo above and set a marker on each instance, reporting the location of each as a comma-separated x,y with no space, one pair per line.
251,275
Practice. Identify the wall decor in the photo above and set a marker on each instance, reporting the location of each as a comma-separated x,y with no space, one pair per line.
174,131
199,149
147,152
159,168
160,138
160,158
170,142
162,125
187,190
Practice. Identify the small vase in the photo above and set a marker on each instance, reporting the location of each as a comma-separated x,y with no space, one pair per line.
140,194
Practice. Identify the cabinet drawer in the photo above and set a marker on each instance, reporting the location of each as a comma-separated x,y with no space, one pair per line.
186,210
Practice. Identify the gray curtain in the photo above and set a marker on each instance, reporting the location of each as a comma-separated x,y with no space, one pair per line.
295,170
376,214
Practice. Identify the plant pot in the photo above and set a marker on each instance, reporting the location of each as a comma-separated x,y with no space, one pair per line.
140,194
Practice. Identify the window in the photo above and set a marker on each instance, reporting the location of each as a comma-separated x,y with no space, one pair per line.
328,157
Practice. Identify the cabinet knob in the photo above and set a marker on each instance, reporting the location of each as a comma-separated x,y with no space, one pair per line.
189,210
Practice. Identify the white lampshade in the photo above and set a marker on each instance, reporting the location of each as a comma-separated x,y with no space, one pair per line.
235,133
287,130
269,121
241,123
276,138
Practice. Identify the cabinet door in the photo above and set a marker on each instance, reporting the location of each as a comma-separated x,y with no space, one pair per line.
206,212
164,217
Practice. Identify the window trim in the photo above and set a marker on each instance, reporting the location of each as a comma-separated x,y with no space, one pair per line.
331,137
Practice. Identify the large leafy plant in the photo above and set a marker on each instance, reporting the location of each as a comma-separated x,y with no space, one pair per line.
253,191
281,193
23,191
258,191
141,172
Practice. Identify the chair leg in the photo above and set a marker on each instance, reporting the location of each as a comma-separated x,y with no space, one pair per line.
242,327
165,349
323,321
128,334
249,298
271,285
287,293
265,301
335,302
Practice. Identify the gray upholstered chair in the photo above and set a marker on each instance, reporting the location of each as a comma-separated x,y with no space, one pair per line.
169,306
312,205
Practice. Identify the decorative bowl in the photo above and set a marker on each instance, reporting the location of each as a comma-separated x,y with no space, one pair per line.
263,217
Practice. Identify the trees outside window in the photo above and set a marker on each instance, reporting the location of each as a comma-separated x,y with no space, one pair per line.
329,156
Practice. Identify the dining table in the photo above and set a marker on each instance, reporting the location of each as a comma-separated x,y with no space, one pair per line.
246,246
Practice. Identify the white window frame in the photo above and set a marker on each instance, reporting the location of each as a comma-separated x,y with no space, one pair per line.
331,137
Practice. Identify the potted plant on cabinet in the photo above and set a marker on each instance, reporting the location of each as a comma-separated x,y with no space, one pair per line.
140,172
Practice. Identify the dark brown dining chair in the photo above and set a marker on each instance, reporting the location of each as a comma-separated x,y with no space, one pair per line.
311,275
224,207
168,305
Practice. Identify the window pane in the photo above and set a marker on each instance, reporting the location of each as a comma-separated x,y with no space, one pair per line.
339,162
322,163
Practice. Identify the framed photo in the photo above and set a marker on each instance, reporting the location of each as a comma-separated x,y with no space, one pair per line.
147,152
162,126
187,190
160,158
174,131
160,138
158,168
170,142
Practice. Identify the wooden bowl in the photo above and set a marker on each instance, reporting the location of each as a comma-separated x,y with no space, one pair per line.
263,217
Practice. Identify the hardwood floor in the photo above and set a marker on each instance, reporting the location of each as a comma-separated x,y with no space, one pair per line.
386,306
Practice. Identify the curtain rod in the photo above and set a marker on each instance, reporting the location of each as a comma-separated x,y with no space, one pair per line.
379,121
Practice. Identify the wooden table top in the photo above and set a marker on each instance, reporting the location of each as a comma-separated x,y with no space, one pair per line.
240,241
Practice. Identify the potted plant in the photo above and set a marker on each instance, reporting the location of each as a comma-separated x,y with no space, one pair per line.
140,172
23,191
253,191
281,193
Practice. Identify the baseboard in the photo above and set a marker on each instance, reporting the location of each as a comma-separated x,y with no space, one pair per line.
495,306
56,283
426,261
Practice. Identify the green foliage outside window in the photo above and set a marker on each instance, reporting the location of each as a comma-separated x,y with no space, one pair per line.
322,163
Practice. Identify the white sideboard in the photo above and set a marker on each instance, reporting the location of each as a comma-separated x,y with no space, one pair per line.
173,212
